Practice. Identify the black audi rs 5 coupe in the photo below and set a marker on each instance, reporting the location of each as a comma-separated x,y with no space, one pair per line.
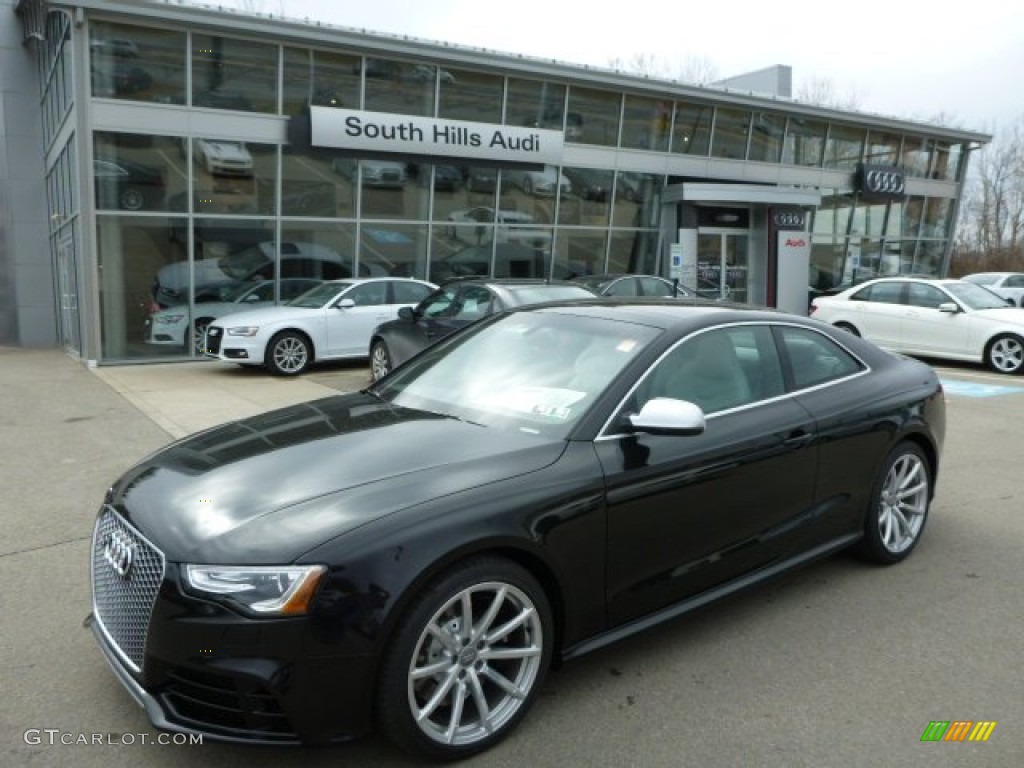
415,556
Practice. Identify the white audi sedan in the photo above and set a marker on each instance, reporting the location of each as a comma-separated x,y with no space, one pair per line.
174,325
948,319
332,321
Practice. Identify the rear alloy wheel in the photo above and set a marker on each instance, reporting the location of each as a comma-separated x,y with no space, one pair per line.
131,199
466,661
1005,354
380,360
899,506
288,354
848,328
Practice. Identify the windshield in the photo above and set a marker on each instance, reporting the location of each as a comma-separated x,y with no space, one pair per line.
320,296
244,263
975,296
533,372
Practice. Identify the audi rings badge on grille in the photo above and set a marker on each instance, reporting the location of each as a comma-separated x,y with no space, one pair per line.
118,552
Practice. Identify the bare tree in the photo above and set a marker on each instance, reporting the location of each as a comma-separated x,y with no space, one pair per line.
822,92
698,70
990,232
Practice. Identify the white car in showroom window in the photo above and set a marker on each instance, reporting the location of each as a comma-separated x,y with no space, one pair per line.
948,319
224,158
332,321
174,326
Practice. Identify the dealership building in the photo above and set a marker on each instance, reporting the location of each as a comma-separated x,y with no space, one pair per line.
157,157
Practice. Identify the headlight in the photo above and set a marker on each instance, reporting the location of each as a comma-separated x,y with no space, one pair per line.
277,590
244,330
168,319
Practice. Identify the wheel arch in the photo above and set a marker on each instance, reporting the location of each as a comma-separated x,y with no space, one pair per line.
516,552
301,332
931,453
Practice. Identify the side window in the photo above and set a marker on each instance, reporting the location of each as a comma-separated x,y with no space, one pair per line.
474,302
369,294
707,370
921,295
881,293
1014,281
814,358
409,293
651,287
624,287
441,304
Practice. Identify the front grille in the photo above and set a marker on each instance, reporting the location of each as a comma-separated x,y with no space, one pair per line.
214,334
126,575
220,703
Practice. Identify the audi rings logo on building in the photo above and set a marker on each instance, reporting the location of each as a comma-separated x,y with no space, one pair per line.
119,552
882,181
789,219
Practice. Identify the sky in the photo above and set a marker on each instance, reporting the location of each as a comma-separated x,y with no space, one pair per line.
914,59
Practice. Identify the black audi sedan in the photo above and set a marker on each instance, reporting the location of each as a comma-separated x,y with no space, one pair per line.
415,556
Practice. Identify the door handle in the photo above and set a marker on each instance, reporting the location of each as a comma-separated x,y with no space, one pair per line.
798,438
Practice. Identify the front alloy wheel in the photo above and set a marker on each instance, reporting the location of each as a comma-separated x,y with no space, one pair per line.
467,661
1006,354
380,360
289,354
899,506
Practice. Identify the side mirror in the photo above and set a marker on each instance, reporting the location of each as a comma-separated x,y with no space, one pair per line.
949,307
407,313
345,304
667,416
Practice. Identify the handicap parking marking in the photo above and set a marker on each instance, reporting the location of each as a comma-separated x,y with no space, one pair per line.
977,389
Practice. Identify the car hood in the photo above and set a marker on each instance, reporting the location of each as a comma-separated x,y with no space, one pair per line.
265,315
267,489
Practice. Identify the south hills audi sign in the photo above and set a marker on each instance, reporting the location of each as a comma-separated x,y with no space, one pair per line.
383,132
884,182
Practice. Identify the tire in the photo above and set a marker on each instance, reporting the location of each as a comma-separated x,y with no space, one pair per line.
289,353
380,360
131,199
441,670
848,328
198,335
899,506
1005,354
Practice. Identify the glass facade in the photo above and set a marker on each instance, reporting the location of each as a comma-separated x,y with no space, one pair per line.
180,218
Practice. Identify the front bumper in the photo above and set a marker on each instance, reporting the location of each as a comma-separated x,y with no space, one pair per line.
197,666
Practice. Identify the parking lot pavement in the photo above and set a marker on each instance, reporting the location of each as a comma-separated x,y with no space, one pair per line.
840,664
183,398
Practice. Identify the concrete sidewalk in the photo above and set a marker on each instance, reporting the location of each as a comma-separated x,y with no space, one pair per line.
183,398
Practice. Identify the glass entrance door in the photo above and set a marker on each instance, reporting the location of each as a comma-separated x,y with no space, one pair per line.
67,287
722,265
